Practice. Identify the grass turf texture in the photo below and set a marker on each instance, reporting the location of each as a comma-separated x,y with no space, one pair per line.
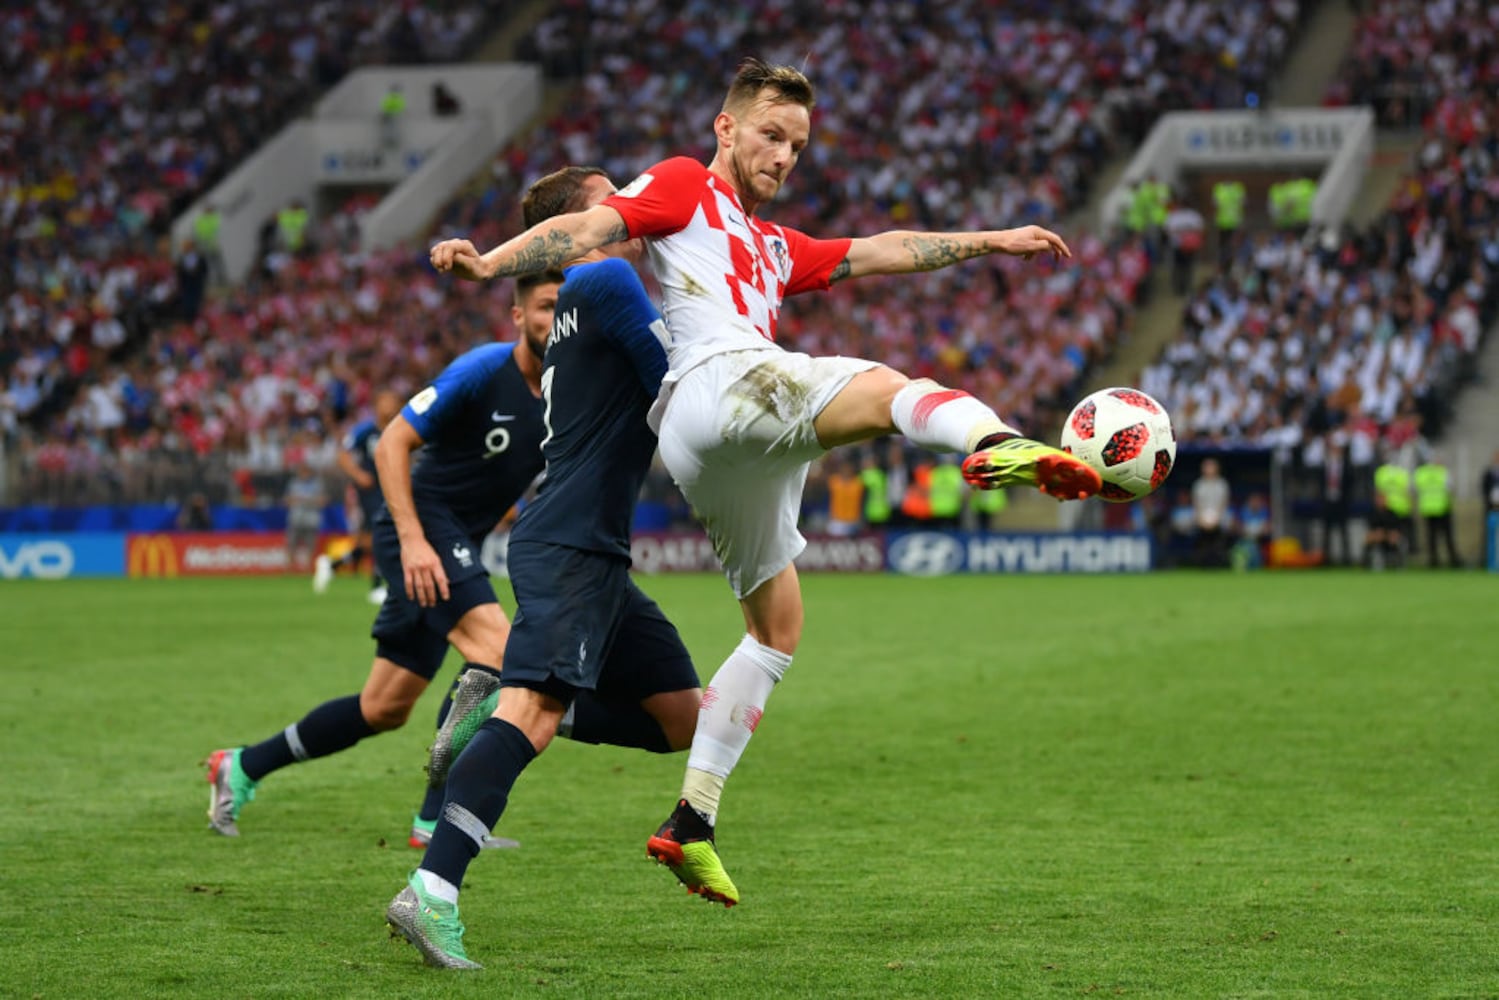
1177,785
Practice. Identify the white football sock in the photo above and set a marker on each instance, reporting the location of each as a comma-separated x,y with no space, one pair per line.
438,886
942,419
732,705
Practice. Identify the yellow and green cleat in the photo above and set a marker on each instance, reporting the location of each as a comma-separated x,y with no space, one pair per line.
685,845
1018,461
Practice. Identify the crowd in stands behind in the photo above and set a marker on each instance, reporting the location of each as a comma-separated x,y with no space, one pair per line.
1367,333
971,114
1409,56
114,117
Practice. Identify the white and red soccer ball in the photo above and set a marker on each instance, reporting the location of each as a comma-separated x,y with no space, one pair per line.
1127,437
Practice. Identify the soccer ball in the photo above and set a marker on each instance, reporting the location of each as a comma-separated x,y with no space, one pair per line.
1126,436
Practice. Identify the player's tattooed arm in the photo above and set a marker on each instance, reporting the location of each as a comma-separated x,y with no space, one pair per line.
904,251
548,244
930,251
546,251
539,253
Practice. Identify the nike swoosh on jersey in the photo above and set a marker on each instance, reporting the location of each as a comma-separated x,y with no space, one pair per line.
500,418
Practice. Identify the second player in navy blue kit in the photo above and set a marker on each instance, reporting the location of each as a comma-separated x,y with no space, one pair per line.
459,454
356,459
581,623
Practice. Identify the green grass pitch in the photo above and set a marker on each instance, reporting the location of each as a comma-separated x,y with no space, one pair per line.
1178,785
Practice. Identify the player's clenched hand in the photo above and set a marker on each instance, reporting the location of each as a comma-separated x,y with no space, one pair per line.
1027,241
459,256
426,580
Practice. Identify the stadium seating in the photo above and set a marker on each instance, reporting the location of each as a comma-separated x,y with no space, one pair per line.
1001,115
1373,329
116,117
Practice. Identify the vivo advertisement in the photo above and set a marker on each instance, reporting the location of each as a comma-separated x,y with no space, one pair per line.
58,557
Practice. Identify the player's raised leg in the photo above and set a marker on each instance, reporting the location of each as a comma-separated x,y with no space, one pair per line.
425,912
383,704
882,401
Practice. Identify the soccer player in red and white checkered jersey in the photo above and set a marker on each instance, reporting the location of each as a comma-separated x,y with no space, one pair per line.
740,418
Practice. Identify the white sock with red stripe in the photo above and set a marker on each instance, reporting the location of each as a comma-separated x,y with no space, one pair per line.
732,705
942,419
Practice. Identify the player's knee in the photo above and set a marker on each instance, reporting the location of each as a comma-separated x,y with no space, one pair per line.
385,714
676,713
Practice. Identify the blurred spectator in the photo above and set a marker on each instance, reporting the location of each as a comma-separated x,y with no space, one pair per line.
1185,231
392,110
985,508
945,493
1384,542
1328,453
445,103
845,497
1489,488
1392,490
1210,517
877,505
194,515
1228,216
898,476
1254,533
305,499
206,227
1433,485
192,281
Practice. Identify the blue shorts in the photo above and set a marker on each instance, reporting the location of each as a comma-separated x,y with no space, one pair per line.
408,634
582,623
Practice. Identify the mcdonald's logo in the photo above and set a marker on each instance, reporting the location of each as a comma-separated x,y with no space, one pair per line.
152,555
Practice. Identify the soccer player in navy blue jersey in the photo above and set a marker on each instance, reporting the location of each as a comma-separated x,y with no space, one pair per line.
459,455
476,434
581,623
356,458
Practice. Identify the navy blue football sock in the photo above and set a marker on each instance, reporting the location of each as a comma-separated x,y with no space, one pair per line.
332,726
479,784
432,804
617,723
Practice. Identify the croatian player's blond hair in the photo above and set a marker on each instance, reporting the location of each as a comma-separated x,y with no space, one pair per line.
787,85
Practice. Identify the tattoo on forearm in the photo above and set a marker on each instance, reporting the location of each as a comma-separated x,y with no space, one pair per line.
933,251
543,252
618,234
843,270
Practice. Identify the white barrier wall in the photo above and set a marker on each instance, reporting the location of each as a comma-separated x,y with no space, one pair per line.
1336,142
423,158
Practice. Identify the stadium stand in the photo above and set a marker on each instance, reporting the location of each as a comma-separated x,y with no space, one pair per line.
1407,58
1002,115
1360,338
116,116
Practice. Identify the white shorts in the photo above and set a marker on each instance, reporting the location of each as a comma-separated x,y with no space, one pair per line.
737,436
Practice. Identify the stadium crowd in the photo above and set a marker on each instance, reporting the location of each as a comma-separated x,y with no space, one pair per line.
1369,332
1409,56
113,118
1002,115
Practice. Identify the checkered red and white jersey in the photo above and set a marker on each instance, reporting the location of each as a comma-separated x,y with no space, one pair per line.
723,273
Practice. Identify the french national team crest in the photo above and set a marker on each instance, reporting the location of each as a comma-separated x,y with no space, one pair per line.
463,554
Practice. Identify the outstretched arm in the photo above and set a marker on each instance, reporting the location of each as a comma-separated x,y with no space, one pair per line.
550,243
902,251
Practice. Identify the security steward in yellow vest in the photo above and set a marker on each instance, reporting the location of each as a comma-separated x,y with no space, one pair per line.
1434,504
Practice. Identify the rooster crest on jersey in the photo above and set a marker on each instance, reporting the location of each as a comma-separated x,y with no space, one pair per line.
1126,435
